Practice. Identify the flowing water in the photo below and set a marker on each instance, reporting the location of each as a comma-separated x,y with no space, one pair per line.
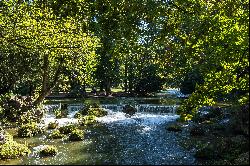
141,139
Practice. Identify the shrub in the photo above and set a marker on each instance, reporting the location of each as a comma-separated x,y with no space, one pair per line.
31,115
29,130
48,150
67,129
12,149
53,125
76,135
150,81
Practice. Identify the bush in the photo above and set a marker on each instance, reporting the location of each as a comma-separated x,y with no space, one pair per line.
48,150
76,135
56,134
29,130
19,109
150,81
67,129
11,149
53,125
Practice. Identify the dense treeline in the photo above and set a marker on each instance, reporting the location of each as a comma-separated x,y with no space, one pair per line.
200,46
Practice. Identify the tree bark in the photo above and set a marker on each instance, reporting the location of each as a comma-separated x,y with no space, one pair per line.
46,87
126,78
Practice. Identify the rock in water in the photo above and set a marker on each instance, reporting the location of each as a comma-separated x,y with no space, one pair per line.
128,109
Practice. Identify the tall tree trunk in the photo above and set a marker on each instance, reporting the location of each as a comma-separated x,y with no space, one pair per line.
101,86
107,87
126,78
44,92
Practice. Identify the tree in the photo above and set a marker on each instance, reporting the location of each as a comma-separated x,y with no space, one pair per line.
57,43
212,36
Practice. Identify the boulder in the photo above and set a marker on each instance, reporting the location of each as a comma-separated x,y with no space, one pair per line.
128,109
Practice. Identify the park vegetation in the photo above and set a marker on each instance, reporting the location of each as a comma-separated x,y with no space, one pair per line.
141,46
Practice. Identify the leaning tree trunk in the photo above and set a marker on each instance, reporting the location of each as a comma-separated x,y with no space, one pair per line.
46,86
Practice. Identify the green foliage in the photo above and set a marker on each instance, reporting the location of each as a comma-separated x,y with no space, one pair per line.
215,43
150,81
29,130
200,46
48,150
20,109
76,135
48,44
190,80
11,149
56,134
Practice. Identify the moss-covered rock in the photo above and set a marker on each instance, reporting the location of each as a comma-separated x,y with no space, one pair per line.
87,120
78,115
174,127
56,134
29,130
67,129
91,109
48,150
128,109
53,125
12,149
98,112
76,135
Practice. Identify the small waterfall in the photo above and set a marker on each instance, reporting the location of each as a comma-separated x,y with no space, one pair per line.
144,112
144,108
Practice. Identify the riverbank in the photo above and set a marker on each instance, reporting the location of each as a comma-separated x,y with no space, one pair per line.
217,136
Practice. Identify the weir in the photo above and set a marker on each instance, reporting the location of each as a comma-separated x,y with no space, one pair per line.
152,108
